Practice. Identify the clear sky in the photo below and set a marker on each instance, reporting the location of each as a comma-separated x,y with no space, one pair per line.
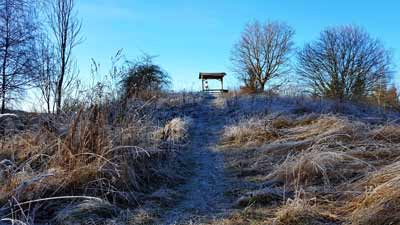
194,36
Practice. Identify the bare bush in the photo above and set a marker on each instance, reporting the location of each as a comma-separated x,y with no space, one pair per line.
386,97
143,79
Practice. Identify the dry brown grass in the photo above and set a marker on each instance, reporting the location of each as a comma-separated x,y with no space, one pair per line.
301,212
389,133
380,205
319,168
328,128
261,131
176,130
252,132
250,216
347,166
282,122
380,199
383,175
117,162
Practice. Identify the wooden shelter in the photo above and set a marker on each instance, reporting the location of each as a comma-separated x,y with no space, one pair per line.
204,77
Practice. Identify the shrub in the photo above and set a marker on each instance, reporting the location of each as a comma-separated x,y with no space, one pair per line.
144,79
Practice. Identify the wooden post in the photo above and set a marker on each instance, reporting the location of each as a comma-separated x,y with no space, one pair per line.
222,84
202,84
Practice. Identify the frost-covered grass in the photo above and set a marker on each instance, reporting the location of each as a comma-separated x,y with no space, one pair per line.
242,104
102,163
176,130
311,162
294,160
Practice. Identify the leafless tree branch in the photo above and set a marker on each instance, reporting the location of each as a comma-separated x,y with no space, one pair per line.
345,63
262,53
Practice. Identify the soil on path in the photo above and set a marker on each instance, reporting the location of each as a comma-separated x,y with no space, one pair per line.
204,193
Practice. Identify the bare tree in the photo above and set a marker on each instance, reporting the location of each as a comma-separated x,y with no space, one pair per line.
47,72
262,53
66,28
17,37
345,63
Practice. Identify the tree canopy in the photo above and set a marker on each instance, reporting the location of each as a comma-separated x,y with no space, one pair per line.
345,63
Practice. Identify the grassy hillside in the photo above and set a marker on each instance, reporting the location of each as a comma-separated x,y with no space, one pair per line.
199,159
297,161
108,164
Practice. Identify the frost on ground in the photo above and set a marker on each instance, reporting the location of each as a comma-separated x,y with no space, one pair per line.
204,194
190,159
305,162
101,165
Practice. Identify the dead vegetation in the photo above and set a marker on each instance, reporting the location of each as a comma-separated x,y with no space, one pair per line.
249,132
96,165
319,168
379,201
314,169
379,205
301,212
175,130
121,166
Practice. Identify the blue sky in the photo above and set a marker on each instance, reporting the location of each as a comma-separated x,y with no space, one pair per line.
193,36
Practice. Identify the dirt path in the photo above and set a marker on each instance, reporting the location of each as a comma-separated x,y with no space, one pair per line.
204,194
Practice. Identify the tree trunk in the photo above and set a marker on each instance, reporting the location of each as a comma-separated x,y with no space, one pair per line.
262,86
4,80
3,89
48,105
60,81
58,96
3,102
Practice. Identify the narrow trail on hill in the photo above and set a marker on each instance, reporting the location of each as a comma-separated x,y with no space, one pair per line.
204,193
